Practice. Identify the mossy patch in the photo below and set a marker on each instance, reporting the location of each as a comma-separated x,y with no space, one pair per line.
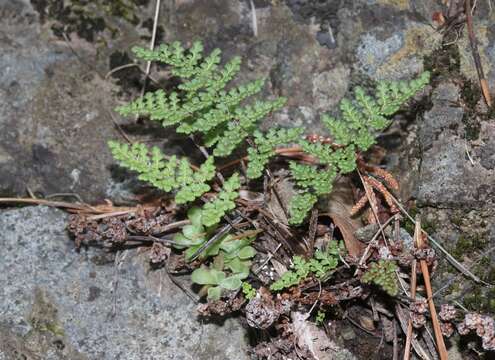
43,315
480,299
471,95
86,18
427,225
469,244
443,62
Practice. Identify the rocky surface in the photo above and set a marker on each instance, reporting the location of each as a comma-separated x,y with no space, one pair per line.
52,120
57,97
448,177
60,304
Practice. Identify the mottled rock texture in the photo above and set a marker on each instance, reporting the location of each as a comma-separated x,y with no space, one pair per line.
60,304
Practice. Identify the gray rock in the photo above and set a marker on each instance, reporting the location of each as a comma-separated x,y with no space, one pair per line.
444,117
58,304
486,151
448,178
54,123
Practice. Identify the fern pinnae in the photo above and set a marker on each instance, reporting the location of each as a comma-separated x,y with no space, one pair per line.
264,148
213,211
226,118
165,174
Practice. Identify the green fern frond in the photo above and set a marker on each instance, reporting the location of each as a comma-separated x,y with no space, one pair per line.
361,118
202,103
213,211
319,266
364,115
245,123
309,178
382,273
300,205
392,95
264,148
167,175
174,54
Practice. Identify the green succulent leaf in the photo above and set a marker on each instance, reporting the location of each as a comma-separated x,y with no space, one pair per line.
247,252
194,214
214,293
239,267
205,276
231,283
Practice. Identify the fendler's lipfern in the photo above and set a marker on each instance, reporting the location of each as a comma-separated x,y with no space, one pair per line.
361,119
202,104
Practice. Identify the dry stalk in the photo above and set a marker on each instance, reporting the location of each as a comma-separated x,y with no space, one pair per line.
420,242
476,56
409,334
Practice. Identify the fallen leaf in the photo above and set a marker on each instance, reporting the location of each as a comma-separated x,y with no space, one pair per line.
340,204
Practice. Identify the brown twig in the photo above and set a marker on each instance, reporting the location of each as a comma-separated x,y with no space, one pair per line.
415,343
409,334
71,207
476,55
420,242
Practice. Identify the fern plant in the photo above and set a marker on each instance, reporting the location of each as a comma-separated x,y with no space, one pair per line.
361,119
382,273
319,266
204,104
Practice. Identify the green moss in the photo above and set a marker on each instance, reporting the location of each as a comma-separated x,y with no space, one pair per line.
86,18
122,9
43,316
474,300
471,94
444,61
456,219
468,244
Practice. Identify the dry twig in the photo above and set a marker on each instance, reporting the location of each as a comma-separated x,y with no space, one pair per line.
420,243
476,55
